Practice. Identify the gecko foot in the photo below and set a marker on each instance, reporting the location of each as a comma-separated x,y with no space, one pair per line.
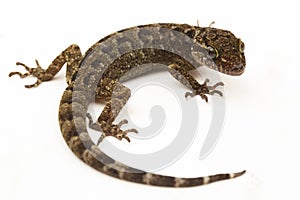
109,129
37,72
116,131
204,90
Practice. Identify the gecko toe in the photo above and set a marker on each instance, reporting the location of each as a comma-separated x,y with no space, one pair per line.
215,85
34,85
123,122
132,130
204,90
216,92
189,95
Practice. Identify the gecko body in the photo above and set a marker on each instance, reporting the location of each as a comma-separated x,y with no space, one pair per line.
124,55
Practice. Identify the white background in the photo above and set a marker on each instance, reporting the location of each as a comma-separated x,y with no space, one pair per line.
260,134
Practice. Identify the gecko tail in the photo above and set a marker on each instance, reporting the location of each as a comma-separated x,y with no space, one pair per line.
101,162
169,181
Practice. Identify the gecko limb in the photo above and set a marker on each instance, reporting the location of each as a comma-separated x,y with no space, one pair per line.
183,76
72,56
118,95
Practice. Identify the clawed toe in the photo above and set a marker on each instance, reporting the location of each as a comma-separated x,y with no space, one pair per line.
34,85
189,94
37,72
204,89
132,130
93,125
216,92
215,85
212,89
123,134
89,116
100,139
194,93
19,74
109,129
121,123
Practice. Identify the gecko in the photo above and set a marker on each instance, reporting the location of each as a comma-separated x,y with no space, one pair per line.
99,74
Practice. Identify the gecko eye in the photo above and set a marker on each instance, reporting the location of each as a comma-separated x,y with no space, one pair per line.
241,46
212,52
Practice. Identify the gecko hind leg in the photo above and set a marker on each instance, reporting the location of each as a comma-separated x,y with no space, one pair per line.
183,76
119,95
72,56
38,72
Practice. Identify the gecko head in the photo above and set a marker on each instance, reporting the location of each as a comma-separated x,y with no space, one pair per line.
226,52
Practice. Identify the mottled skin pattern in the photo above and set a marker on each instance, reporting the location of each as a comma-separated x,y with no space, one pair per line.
119,57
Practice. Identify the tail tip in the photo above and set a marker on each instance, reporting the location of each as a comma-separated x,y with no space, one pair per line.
234,175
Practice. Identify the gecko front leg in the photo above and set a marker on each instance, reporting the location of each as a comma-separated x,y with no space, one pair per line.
72,56
182,75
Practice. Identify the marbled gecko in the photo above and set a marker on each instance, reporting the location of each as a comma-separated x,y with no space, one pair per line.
121,56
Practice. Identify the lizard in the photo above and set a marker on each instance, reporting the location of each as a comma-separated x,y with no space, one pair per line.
121,56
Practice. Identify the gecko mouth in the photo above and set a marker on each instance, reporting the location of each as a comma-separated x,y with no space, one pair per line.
237,70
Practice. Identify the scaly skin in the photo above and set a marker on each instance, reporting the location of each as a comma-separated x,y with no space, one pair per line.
119,57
